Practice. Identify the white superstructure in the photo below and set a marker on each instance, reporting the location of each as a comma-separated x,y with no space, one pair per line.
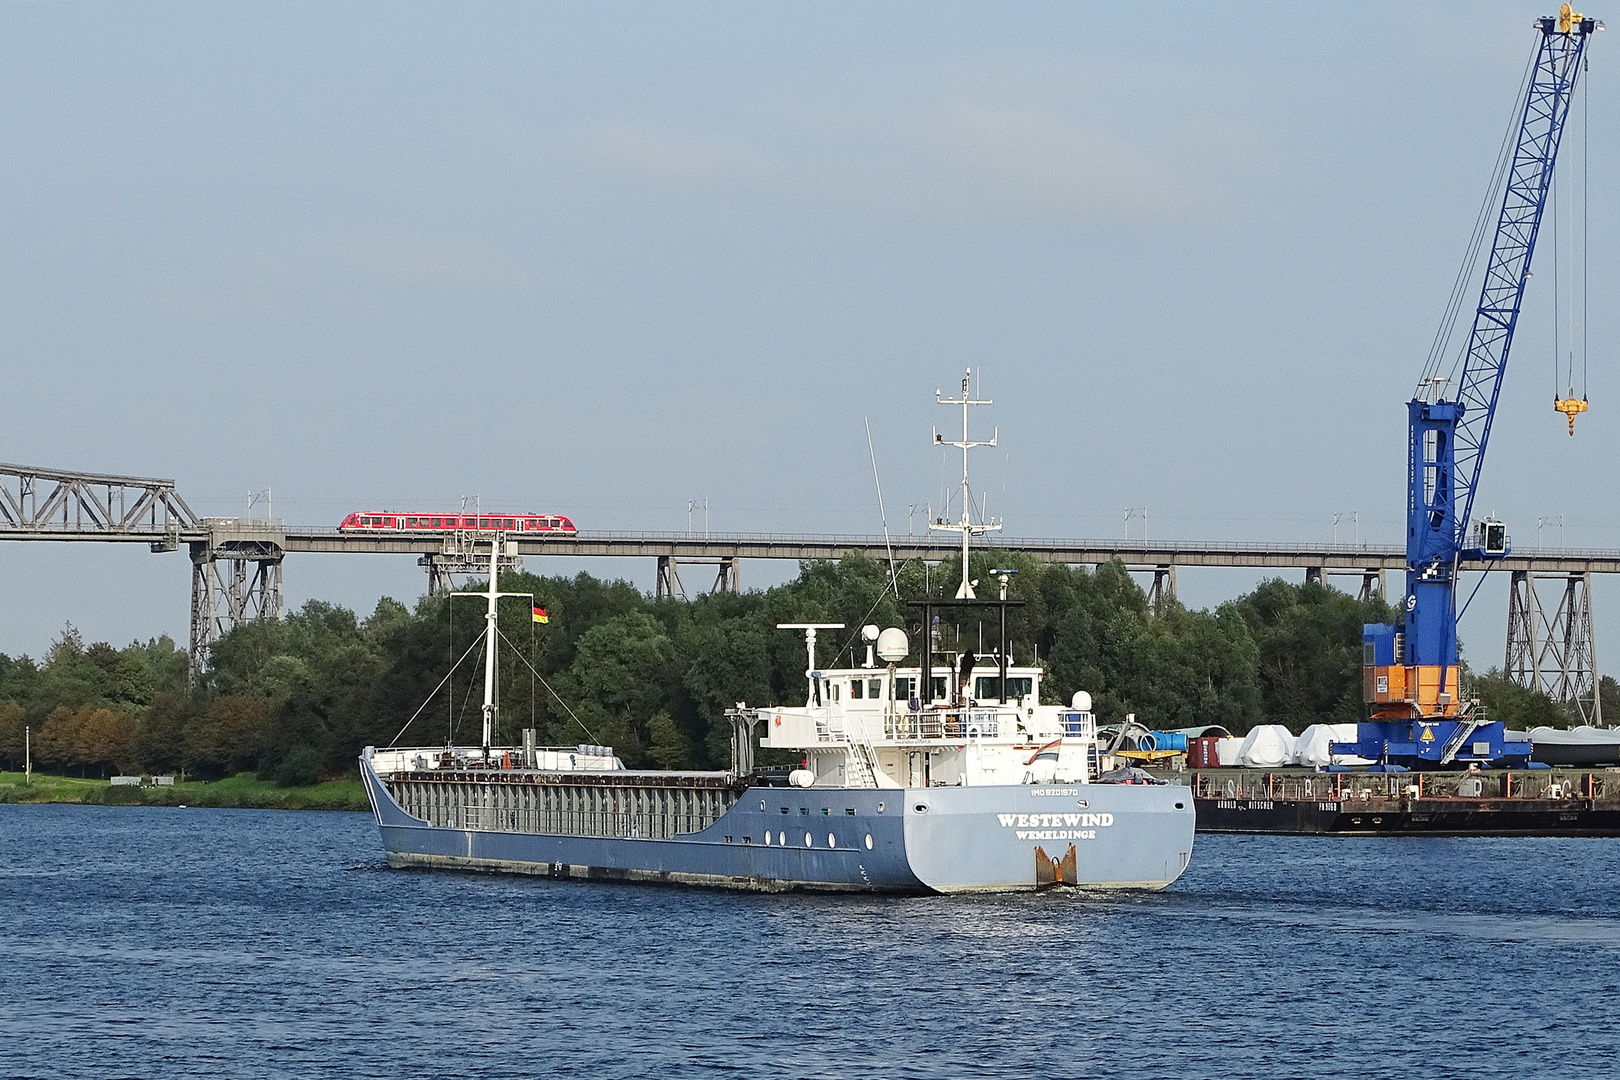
880,727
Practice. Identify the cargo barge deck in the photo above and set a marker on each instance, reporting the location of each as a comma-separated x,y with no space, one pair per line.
1303,802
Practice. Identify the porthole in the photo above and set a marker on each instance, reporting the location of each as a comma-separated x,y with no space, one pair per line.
880,808
830,841
1181,806
921,808
868,841
809,841
767,839
781,839
762,804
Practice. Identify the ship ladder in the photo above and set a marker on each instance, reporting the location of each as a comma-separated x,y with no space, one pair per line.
863,755
1458,738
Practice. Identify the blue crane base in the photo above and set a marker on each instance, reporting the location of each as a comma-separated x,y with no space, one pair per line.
1424,744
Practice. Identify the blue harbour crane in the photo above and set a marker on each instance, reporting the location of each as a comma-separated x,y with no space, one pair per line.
1410,672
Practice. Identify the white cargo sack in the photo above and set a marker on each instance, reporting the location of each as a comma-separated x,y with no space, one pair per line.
1314,748
1268,746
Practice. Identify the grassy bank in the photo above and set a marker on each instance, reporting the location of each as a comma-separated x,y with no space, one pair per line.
243,791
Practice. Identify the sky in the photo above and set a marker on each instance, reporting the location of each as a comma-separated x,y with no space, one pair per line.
612,259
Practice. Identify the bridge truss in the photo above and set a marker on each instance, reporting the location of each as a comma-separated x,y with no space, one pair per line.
237,563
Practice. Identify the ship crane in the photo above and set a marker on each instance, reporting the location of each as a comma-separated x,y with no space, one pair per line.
1410,671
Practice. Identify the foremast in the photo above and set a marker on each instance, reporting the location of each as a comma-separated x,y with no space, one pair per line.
492,635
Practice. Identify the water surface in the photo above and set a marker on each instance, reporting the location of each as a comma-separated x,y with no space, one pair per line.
161,942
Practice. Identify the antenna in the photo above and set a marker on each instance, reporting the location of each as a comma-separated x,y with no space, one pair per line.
894,582
966,526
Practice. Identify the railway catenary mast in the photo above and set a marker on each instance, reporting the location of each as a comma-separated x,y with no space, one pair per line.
1410,675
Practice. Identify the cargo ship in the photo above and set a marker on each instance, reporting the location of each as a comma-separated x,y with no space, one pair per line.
908,781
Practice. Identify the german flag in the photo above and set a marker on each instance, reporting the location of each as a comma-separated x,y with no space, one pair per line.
540,615
1049,752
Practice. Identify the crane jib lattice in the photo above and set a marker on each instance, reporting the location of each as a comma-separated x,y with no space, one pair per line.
1541,125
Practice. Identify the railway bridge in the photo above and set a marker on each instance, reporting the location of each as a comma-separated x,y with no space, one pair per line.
237,562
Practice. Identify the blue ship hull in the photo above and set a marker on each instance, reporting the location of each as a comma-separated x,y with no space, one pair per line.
937,839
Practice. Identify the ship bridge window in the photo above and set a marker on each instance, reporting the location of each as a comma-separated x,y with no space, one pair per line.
984,687
939,688
832,690
904,688
857,689
874,688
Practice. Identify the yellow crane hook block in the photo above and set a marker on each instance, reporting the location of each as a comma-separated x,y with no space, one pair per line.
1570,407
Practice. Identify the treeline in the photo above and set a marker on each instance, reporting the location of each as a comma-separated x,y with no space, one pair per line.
297,699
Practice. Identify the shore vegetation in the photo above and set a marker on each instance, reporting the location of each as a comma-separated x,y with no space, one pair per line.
291,702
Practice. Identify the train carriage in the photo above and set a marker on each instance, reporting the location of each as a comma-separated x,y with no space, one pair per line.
396,522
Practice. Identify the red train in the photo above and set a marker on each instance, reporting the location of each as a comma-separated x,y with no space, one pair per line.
390,521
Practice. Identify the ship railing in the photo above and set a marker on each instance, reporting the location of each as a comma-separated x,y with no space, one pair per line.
968,723
1361,787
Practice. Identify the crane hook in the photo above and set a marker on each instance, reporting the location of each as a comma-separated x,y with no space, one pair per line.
1570,407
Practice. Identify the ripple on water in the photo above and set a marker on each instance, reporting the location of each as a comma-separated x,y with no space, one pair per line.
267,944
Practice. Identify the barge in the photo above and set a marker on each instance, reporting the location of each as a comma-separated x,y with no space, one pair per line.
1506,802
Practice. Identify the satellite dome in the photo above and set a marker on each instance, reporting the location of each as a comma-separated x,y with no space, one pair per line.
1081,702
892,645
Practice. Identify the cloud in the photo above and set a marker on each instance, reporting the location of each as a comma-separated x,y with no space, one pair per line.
961,161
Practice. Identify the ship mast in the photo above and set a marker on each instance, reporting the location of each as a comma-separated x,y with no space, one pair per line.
492,704
966,526
492,633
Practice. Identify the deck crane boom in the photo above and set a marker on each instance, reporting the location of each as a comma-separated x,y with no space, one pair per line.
1410,672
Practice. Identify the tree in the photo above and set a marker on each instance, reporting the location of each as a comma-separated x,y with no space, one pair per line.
12,734
668,746
1518,707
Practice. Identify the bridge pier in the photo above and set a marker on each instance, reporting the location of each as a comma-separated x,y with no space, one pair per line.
1557,653
1372,584
727,578
1164,585
458,556
225,597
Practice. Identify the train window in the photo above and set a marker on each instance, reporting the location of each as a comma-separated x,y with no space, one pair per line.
510,524
483,523
436,522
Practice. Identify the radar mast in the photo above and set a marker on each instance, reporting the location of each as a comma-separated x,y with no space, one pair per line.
966,526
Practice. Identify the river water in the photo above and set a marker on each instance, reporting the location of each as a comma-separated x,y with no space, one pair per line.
160,942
